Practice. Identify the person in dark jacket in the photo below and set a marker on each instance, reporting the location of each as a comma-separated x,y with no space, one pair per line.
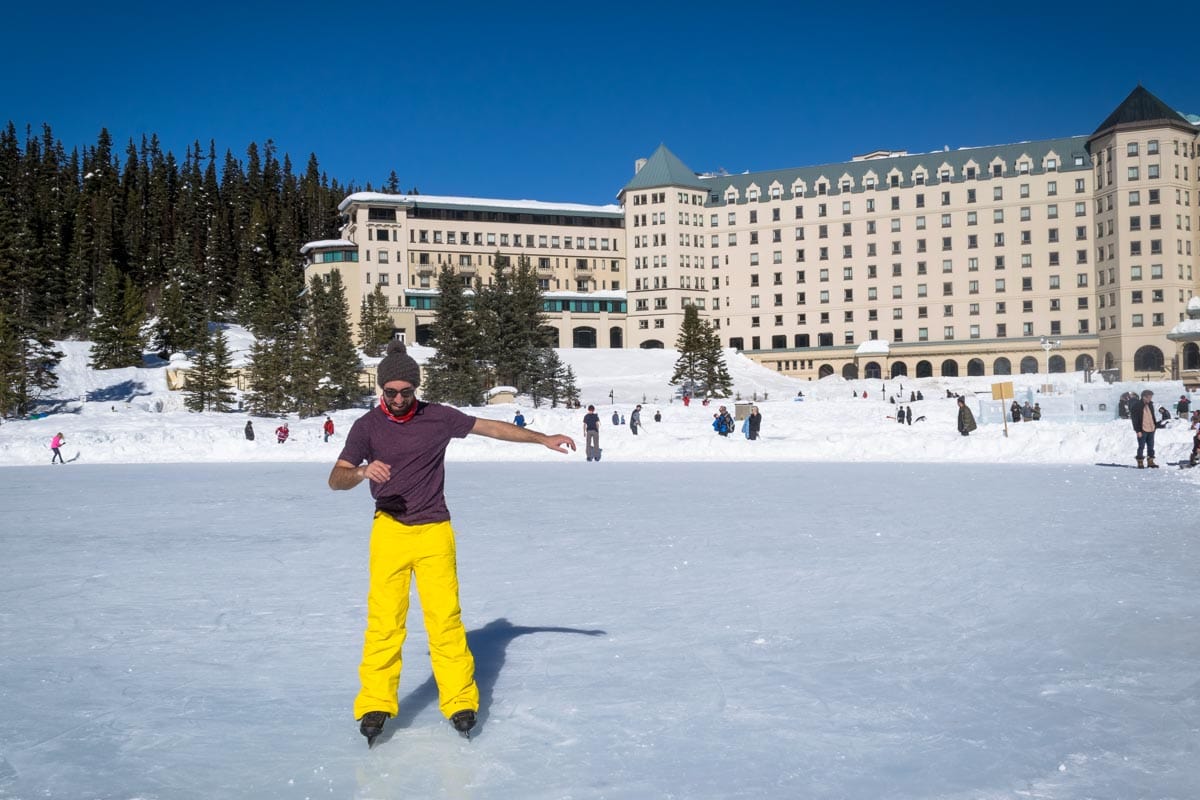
754,421
1182,406
1141,415
635,420
249,430
966,420
1015,409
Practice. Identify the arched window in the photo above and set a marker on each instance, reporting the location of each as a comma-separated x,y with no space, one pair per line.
1084,362
616,338
652,344
584,337
975,367
872,370
899,369
1029,365
1191,356
825,371
950,368
1148,359
850,372
924,369
1108,360
1002,366
1057,364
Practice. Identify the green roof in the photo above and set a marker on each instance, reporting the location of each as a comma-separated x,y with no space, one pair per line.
1140,108
1071,153
664,168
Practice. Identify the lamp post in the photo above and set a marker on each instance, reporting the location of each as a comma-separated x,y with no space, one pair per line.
1048,345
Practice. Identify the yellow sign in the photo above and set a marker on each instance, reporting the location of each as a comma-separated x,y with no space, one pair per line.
1002,391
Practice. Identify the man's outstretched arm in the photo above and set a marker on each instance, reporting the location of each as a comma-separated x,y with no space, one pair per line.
506,431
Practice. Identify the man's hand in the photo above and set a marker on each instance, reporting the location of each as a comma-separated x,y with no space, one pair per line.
346,475
560,442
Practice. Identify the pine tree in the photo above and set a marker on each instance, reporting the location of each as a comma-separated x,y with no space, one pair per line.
700,368
375,326
328,365
692,344
117,330
452,374
208,380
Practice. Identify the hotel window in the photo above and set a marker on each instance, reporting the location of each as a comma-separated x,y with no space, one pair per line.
922,290
1000,285
383,256
1080,186
947,288
998,215
1001,330
1051,188
1136,321
1027,329
1156,320
1131,173
998,193
823,297
948,332
1131,149
1052,211
1153,197
1152,147
897,293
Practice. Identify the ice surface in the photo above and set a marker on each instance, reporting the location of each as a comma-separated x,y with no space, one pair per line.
712,630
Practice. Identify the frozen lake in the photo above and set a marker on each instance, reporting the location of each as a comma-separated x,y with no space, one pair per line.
641,630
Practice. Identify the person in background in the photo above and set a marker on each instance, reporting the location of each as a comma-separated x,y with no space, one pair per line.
1164,415
1026,412
966,420
1182,406
519,419
908,415
657,416
328,427
1141,415
281,433
591,434
1015,409
635,420
616,418
722,422
754,418
1037,411
249,431
55,443
400,447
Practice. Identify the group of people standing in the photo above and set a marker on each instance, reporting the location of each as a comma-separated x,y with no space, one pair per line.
283,432
1026,413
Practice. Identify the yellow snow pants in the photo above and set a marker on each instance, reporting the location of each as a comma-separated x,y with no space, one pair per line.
400,553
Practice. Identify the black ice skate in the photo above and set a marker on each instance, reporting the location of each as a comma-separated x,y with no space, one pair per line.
463,721
372,725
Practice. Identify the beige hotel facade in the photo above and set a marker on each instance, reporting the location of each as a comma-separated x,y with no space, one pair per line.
1044,256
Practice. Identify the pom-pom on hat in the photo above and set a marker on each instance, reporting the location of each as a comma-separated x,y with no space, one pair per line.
398,365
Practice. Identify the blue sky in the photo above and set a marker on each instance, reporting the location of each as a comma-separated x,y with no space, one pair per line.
555,101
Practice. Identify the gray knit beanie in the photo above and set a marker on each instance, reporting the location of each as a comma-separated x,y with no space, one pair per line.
398,365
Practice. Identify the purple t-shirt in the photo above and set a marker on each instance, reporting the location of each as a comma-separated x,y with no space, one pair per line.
416,452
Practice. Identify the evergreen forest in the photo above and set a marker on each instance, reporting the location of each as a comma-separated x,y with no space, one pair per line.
141,251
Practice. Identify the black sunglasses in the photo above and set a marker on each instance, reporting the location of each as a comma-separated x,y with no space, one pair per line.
390,394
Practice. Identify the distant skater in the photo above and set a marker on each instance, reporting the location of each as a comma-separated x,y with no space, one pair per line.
249,431
328,428
281,433
591,434
55,443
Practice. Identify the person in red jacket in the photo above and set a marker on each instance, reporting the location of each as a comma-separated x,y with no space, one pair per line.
328,427
281,433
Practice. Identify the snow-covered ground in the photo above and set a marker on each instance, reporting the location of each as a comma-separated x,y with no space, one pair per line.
692,631
847,608
129,416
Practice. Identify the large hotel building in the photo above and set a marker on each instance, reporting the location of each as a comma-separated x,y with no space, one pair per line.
1045,256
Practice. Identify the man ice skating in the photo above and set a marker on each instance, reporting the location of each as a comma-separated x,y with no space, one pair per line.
400,447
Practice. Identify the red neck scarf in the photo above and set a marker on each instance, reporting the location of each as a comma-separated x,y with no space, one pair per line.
412,412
